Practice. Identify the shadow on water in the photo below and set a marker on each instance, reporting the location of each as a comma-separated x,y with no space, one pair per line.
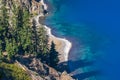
64,66
76,65
85,75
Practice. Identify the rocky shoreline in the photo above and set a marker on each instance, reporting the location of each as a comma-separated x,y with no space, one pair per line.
63,46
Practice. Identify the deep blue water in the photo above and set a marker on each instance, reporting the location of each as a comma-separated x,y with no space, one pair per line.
93,26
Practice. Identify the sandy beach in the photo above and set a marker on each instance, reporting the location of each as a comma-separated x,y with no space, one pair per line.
63,46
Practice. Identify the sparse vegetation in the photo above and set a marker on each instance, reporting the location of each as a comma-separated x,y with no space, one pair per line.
12,72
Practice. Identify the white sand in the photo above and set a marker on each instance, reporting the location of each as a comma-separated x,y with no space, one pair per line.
62,44
45,6
65,46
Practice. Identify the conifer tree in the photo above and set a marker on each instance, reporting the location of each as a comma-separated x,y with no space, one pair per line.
34,37
26,32
43,40
19,27
53,56
4,27
40,40
17,36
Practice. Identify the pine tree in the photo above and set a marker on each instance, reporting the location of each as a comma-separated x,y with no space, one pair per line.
34,37
26,32
4,27
20,37
18,30
43,40
53,56
40,40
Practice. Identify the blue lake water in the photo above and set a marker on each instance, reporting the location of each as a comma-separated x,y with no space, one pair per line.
93,26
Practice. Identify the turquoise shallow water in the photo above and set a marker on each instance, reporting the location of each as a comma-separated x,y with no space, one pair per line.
93,28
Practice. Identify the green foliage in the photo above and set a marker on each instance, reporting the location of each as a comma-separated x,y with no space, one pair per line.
40,40
43,40
24,31
12,72
18,37
11,48
53,56
34,37
21,37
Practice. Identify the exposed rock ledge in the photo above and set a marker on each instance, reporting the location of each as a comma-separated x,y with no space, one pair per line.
39,71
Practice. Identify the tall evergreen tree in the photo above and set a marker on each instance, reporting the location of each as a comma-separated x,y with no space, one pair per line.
53,56
40,40
4,27
34,37
43,40
26,32
18,29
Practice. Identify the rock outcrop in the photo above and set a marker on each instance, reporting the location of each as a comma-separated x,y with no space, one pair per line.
33,6
65,76
41,71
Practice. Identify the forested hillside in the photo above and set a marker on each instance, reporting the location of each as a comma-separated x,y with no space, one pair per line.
20,35
24,50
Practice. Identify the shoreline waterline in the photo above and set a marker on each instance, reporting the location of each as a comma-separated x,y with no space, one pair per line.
65,44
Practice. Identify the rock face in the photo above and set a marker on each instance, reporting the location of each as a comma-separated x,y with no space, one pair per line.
36,7
65,76
41,71
33,6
